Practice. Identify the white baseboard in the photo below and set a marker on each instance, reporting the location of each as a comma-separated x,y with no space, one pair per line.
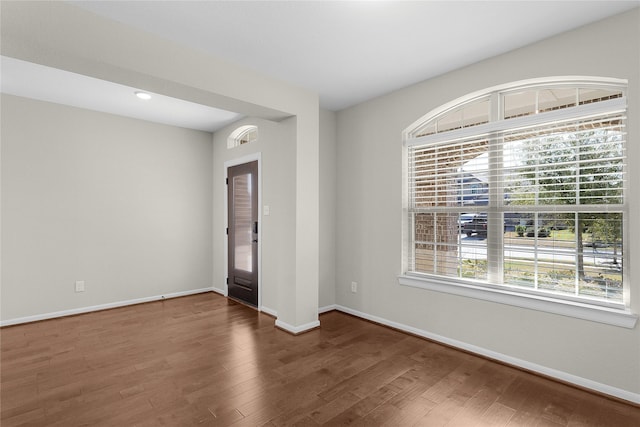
560,375
327,308
297,329
274,313
269,311
219,291
99,307
549,372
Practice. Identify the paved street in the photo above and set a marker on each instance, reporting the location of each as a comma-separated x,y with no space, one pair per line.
476,248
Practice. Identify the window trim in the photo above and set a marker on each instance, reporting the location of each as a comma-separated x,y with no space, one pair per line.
540,83
596,313
235,138
501,125
616,314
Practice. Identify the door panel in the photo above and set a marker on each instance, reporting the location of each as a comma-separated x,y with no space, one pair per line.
242,200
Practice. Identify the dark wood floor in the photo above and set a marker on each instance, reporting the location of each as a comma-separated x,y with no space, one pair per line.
205,360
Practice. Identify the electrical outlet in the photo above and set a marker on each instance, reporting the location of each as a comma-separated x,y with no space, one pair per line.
354,287
80,286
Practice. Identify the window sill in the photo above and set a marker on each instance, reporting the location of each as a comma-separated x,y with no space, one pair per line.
609,316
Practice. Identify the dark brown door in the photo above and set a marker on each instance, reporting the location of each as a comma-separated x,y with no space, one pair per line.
242,188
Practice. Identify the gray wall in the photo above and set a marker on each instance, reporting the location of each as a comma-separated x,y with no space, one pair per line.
119,203
61,35
276,145
277,151
126,205
123,204
328,188
369,212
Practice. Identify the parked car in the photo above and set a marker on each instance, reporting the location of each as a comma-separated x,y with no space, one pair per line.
464,219
542,232
477,225
531,231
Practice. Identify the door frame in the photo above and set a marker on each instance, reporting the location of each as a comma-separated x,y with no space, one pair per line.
227,164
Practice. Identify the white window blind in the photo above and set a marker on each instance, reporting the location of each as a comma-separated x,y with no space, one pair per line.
534,202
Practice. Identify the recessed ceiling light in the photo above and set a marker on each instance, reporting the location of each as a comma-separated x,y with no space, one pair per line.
143,95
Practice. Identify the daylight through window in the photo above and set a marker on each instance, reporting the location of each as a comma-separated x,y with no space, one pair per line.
523,188
242,135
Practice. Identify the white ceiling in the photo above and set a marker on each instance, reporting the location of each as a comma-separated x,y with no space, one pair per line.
350,51
62,87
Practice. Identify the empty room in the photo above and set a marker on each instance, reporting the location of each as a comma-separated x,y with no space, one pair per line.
269,213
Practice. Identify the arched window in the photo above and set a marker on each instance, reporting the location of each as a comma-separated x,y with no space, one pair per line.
242,135
520,188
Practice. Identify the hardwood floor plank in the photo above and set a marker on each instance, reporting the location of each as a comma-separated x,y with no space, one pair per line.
356,414
474,408
205,360
29,417
452,381
497,415
324,412
412,413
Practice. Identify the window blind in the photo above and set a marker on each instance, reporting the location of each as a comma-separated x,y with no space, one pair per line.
554,161
556,170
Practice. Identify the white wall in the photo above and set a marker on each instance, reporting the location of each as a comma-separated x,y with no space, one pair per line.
60,35
369,230
328,188
123,204
277,150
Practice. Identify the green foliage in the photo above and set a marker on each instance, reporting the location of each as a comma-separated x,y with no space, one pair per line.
568,167
574,165
473,268
607,229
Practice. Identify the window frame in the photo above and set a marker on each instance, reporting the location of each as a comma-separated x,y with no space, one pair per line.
612,313
237,137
